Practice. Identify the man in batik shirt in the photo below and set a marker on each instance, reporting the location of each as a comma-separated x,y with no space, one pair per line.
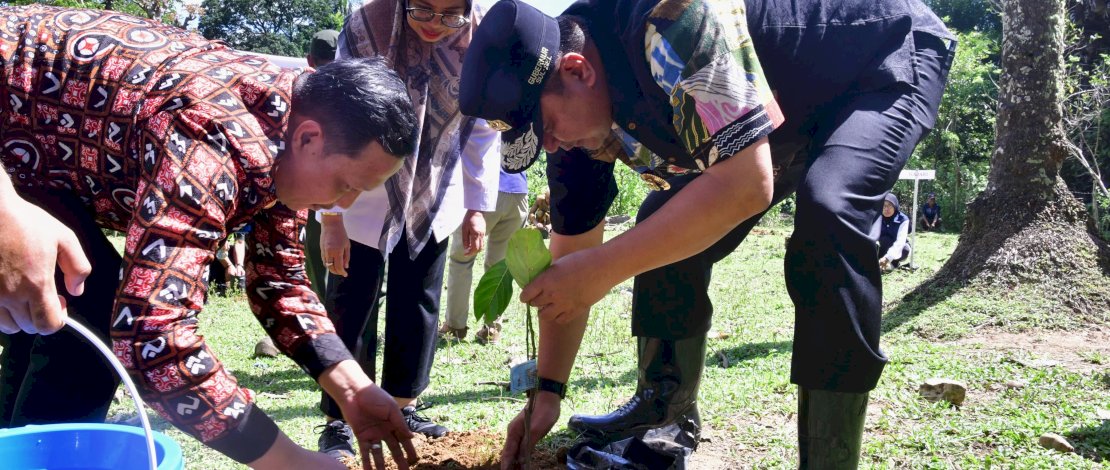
110,121
735,106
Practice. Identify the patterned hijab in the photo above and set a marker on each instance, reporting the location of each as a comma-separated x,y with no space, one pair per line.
431,72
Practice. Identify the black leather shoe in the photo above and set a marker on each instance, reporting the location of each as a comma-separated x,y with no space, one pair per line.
666,393
830,429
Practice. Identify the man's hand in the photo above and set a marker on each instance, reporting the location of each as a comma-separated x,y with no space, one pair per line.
569,287
544,414
372,414
335,247
473,232
376,419
32,243
884,264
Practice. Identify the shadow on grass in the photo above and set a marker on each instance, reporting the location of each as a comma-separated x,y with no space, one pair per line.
1092,442
922,298
280,411
274,379
475,393
749,351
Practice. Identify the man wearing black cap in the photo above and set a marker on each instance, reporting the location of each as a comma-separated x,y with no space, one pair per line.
322,49
696,92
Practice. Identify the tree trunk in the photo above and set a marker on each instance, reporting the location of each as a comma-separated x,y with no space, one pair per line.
1026,227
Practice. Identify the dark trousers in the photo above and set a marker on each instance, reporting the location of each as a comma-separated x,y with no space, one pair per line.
313,261
413,289
61,377
840,173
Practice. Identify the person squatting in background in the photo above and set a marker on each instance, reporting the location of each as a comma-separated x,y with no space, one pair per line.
894,228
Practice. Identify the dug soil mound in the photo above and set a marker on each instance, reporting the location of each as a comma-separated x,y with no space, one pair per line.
477,449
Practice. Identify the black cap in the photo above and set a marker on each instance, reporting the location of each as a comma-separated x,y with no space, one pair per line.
511,56
323,44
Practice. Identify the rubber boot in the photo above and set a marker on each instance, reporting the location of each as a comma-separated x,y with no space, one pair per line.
830,429
666,393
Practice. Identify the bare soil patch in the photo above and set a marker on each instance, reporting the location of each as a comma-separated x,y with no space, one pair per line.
477,449
1079,351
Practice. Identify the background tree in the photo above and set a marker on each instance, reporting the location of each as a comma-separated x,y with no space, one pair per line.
279,27
959,146
1026,228
1086,113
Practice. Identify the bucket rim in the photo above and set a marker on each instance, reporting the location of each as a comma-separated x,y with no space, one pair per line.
172,456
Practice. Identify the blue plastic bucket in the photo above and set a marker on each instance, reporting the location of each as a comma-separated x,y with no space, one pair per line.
81,446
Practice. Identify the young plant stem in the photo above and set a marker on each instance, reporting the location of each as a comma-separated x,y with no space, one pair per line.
530,350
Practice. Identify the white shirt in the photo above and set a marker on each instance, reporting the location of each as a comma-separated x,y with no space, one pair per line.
895,250
473,186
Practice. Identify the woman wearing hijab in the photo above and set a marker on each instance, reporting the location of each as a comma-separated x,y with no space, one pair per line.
892,236
451,178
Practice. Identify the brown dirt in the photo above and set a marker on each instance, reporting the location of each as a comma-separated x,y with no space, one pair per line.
477,449
1012,238
1073,350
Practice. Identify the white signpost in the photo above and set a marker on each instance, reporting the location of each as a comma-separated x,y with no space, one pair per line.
916,176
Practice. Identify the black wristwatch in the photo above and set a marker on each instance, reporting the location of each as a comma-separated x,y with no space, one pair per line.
548,385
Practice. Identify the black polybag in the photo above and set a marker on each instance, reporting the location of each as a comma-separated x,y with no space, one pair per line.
665,448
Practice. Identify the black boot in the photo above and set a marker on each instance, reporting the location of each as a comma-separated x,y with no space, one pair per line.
666,393
830,429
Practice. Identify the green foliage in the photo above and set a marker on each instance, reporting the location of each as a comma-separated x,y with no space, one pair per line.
960,145
527,256
279,27
1086,111
970,15
1103,221
537,177
493,293
632,189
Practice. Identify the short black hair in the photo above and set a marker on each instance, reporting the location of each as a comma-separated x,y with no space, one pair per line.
357,101
572,36
572,39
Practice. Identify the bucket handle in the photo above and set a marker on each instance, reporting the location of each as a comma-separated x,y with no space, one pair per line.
111,357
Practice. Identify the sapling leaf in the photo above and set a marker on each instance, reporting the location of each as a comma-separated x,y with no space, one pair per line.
527,256
493,293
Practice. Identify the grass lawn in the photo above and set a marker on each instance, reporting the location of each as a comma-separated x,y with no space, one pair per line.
1023,379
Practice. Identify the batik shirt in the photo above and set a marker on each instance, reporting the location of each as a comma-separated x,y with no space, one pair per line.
171,139
687,92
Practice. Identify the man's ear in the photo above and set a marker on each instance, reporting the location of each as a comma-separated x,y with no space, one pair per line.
308,138
575,66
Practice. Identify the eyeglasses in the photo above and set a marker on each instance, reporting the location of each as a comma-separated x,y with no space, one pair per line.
425,15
